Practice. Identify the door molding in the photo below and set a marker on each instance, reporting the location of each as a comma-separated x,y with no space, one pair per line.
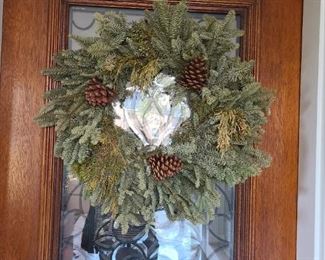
52,167
52,170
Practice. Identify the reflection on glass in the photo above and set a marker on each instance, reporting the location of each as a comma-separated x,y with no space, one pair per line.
86,234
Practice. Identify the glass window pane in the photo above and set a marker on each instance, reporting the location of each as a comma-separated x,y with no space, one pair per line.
86,234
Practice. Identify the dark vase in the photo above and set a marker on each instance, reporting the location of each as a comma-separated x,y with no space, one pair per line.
101,237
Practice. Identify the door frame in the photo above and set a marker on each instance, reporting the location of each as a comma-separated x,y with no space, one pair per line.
311,203
259,233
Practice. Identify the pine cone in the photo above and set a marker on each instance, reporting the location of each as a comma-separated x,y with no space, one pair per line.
195,74
164,166
97,94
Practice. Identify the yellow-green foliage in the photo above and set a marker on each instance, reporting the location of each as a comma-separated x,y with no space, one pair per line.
140,59
232,127
102,170
142,71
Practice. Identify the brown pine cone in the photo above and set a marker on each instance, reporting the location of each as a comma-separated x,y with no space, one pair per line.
97,94
164,166
195,74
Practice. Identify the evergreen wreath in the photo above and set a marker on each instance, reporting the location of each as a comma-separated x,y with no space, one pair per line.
175,63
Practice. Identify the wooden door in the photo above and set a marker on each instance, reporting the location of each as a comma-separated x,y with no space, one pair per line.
30,177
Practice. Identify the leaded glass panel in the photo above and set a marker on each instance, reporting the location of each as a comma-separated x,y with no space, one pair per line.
86,234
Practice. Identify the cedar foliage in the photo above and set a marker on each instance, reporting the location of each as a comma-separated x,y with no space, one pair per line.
217,144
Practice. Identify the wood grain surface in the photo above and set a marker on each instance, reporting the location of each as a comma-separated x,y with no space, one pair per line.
30,178
24,54
276,190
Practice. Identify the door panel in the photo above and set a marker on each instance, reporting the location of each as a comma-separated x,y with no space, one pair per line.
30,183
